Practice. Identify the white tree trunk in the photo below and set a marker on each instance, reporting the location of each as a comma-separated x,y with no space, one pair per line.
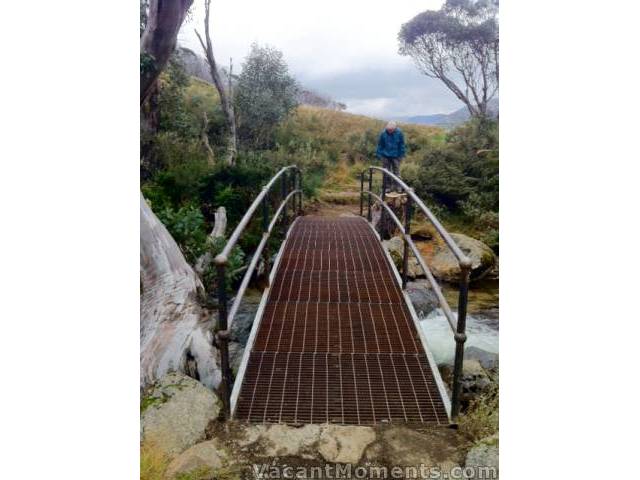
219,227
226,97
175,332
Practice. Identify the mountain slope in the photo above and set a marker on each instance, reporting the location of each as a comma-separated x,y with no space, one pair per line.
449,120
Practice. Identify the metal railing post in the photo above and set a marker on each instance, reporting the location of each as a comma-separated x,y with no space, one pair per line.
265,229
405,251
460,337
300,192
222,336
361,192
285,220
383,194
369,195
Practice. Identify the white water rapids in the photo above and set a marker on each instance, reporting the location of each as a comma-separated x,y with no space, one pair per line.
482,332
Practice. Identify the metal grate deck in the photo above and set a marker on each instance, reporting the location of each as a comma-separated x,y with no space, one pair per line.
336,343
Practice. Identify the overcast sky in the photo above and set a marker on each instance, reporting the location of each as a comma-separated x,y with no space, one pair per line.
347,49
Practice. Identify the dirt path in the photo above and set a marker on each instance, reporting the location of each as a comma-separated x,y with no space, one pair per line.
332,210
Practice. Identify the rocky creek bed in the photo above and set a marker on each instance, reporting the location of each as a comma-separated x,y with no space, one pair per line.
180,417
180,422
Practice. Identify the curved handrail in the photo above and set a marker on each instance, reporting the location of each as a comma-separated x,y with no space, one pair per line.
457,326
235,236
427,271
225,316
463,260
254,261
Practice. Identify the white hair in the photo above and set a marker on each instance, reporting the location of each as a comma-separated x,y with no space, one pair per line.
391,124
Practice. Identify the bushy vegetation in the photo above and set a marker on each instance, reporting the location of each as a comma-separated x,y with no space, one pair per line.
457,172
264,96
459,178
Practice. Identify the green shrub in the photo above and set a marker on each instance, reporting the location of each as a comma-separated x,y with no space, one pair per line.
236,261
264,96
187,227
174,116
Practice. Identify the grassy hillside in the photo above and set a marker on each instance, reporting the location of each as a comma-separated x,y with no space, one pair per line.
332,148
347,143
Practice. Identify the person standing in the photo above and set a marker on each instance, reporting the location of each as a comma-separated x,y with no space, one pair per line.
391,150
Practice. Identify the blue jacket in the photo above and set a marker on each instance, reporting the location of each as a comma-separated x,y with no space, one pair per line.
391,145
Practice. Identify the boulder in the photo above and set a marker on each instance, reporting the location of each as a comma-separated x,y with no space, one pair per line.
444,264
475,379
422,231
280,440
488,360
395,245
344,444
176,411
483,455
203,457
424,300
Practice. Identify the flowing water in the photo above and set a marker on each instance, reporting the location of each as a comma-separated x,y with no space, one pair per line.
482,322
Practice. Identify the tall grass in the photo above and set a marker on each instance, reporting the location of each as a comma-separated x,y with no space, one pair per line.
481,417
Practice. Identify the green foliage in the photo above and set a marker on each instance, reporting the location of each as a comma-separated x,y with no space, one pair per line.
174,116
187,227
460,178
180,167
235,187
236,261
264,96
147,63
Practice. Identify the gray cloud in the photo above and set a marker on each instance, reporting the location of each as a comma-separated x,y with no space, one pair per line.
346,49
400,91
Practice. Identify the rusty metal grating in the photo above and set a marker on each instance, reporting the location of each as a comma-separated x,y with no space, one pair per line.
336,342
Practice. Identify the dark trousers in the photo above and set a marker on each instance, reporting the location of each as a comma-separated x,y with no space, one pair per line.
393,165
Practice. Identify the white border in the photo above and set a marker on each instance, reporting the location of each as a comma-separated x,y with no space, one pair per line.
256,323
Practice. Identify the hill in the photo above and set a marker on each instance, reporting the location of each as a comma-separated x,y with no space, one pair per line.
196,66
449,120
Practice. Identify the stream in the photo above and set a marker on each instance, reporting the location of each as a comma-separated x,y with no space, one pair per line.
482,322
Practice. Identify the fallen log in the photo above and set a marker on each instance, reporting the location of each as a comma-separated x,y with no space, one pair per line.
175,331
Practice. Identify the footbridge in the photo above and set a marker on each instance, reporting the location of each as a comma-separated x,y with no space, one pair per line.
336,338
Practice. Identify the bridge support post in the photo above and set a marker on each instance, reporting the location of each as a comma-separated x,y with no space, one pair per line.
460,337
222,336
369,195
361,193
407,233
300,192
285,220
265,230
383,194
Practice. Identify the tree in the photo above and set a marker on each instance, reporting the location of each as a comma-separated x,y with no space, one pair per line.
265,95
458,45
175,331
163,20
225,97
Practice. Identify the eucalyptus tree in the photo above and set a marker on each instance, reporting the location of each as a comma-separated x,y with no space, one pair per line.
175,330
266,93
225,93
458,45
